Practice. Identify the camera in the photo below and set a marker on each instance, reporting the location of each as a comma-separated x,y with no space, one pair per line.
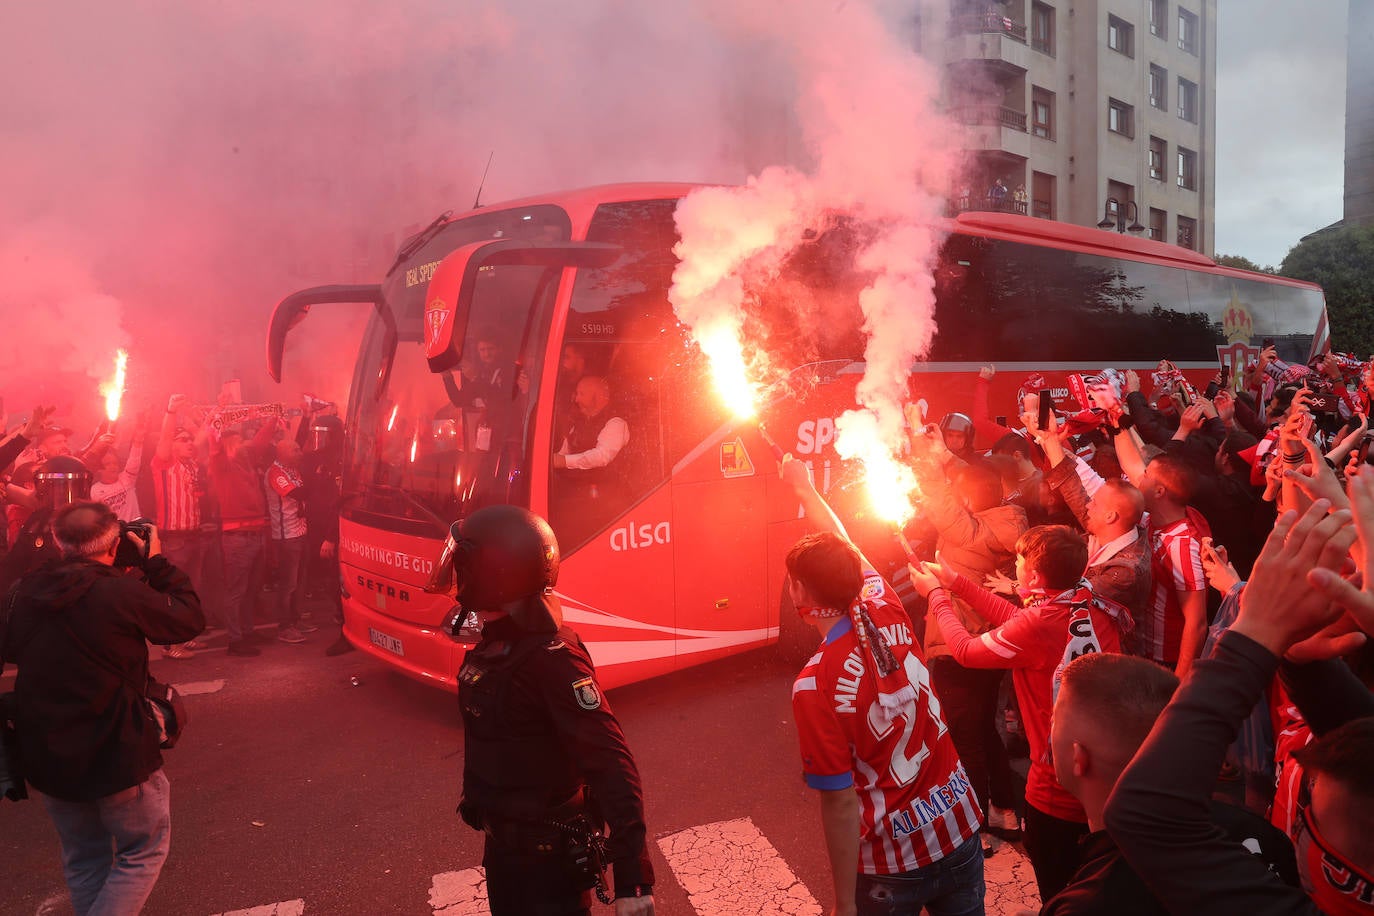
128,554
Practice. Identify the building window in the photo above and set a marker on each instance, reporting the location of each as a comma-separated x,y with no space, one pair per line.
1159,18
1187,232
1159,87
1042,28
1159,225
1120,118
1187,31
1158,154
1121,36
1042,112
1187,169
1042,195
1122,194
1187,100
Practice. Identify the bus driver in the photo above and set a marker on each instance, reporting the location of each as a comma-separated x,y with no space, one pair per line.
593,439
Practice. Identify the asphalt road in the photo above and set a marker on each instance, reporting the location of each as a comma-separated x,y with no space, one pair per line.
295,791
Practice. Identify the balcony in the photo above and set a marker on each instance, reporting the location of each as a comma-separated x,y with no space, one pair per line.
989,22
988,204
989,116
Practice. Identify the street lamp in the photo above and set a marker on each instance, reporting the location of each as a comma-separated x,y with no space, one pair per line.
1114,217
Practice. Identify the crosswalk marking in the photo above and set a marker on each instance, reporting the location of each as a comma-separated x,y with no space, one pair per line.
730,867
285,908
1010,882
725,867
459,893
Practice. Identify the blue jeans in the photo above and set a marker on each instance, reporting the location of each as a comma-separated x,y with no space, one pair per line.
113,848
952,886
242,561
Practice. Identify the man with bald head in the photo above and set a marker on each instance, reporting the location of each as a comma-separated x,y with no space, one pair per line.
596,435
1110,511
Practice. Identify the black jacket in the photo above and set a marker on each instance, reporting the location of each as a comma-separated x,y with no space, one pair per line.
83,729
1159,813
1105,884
537,728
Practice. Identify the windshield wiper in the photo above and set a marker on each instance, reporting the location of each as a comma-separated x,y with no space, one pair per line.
416,241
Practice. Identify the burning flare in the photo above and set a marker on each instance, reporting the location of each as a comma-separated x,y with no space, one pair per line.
114,389
889,481
729,373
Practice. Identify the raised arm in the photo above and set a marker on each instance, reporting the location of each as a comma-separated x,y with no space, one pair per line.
1128,454
817,510
169,428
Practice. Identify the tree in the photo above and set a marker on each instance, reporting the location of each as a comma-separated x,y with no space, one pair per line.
1241,262
1342,262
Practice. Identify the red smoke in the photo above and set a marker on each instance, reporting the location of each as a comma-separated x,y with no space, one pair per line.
171,170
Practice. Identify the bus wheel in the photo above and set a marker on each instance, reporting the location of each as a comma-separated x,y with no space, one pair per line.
797,641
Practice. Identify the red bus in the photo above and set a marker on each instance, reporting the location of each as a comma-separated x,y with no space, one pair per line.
464,379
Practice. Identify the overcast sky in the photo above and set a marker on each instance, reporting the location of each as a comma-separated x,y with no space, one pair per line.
1280,123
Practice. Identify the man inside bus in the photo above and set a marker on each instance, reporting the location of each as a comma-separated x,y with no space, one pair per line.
595,436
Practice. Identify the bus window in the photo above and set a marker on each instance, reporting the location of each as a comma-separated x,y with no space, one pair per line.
429,448
1253,310
999,301
620,344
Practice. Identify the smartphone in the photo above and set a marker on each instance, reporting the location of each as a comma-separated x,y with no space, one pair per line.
1362,453
1211,391
1267,343
1001,421
1046,408
1322,402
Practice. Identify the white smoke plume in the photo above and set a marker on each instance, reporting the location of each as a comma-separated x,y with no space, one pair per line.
878,149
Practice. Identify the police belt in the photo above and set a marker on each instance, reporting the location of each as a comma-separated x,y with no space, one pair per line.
536,832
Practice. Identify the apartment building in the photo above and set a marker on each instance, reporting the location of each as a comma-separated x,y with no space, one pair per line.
1087,111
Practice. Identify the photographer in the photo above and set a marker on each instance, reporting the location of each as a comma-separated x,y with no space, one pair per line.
77,628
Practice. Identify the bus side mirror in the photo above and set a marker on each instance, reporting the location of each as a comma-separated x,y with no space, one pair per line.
448,301
292,310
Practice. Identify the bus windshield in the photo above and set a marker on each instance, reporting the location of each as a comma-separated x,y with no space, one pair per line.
428,448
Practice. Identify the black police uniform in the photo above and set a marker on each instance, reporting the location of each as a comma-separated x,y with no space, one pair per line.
542,748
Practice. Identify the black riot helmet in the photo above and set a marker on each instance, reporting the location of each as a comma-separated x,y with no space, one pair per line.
956,423
61,481
502,558
325,436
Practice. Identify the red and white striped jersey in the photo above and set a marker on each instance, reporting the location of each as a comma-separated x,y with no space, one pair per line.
177,485
1176,565
285,510
915,802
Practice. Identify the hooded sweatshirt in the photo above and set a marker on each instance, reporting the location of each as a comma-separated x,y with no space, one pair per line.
78,632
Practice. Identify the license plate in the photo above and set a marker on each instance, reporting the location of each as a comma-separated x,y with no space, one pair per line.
383,641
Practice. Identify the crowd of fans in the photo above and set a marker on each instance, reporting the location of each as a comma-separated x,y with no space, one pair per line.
1176,580
244,497
1146,559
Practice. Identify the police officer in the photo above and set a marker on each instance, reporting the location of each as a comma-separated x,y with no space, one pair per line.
545,761
58,482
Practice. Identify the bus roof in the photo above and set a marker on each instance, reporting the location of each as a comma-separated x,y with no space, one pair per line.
1092,240
579,202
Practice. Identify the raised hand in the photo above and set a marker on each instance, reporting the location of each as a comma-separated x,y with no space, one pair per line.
1279,606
